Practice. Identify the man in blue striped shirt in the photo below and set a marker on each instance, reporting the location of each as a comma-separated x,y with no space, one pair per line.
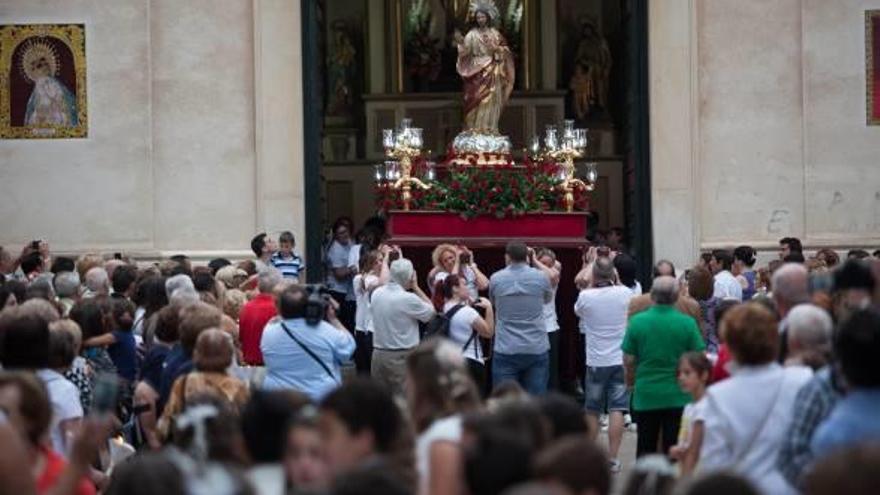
285,260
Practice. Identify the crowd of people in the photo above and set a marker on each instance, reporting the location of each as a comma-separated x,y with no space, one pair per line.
121,377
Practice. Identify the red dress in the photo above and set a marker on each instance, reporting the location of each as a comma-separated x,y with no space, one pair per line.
251,321
55,465
719,371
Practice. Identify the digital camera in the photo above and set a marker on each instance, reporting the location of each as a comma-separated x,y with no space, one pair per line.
316,304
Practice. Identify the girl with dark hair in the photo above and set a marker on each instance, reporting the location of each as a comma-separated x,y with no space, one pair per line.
694,371
466,325
743,261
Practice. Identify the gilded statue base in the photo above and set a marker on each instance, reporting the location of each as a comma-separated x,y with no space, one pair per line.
473,142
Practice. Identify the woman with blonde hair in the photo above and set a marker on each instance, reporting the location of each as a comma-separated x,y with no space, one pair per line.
457,260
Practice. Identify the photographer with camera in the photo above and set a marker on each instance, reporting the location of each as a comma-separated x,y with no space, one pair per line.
301,351
398,307
457,260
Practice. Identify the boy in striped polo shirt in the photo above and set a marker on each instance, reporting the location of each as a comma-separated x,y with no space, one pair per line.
285,260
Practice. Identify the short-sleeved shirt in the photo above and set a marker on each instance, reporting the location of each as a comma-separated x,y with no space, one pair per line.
727,286
602,313
550,317
396,317
289,366
251,320
124,354
461,328
290,267
470,279
337,257
657,337
519,293
64,397
363,316
693,413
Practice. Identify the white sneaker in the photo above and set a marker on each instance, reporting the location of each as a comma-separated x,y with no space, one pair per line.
614,466
603,422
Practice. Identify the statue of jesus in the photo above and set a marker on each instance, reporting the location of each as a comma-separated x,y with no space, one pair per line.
485,64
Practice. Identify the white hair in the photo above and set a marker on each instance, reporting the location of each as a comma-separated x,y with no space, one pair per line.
664,290
178,282
97,280
184,297
67,284
268,279
401,271
789,283
810,326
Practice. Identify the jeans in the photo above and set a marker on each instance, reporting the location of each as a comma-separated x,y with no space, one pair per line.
531,371
604,390
554,360
652,424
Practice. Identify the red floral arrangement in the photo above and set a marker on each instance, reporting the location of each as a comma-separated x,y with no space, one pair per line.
504,190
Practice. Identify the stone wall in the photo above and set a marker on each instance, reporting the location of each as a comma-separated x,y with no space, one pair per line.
195,131
758,125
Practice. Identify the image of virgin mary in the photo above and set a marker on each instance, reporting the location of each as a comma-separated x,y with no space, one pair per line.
50,102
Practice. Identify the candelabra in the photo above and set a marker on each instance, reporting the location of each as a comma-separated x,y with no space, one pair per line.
403,146
564,152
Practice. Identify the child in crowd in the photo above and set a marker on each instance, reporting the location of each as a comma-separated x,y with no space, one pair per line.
285,260
694,370
304,465
120,342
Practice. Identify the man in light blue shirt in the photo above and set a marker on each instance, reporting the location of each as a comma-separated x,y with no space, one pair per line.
304,357
519,293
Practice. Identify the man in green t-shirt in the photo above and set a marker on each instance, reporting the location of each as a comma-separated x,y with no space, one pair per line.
654,341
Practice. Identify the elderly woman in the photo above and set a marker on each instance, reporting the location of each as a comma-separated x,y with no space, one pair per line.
747,415
452,260
211,357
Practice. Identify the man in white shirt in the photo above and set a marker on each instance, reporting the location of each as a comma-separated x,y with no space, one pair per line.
397,308
726,285
602,310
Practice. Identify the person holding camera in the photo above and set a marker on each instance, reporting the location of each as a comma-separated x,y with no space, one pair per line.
398,307
467,325
301,354
519,293
452,260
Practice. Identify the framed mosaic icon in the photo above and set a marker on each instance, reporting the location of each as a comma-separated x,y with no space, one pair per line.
43,81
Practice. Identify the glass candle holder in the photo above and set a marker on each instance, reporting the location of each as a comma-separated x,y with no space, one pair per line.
388,138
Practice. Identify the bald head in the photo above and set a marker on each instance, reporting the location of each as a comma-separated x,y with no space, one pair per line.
790,286
664,290
603,270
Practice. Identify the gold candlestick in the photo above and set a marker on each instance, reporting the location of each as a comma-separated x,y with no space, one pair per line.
405,155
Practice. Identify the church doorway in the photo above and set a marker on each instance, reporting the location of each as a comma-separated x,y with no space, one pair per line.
368,63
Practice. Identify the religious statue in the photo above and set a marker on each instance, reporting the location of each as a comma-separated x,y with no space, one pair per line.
50,103
341,71
593,54
485,64
581,86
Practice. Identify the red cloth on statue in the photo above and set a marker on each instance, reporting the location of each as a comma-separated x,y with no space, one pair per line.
55,465
251,321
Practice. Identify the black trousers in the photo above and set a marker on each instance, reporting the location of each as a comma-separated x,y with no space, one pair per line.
657,427
478,374
363,353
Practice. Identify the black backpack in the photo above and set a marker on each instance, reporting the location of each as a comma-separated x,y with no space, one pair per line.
438,326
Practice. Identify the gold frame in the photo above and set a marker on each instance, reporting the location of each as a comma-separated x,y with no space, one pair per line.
871,16
72,35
